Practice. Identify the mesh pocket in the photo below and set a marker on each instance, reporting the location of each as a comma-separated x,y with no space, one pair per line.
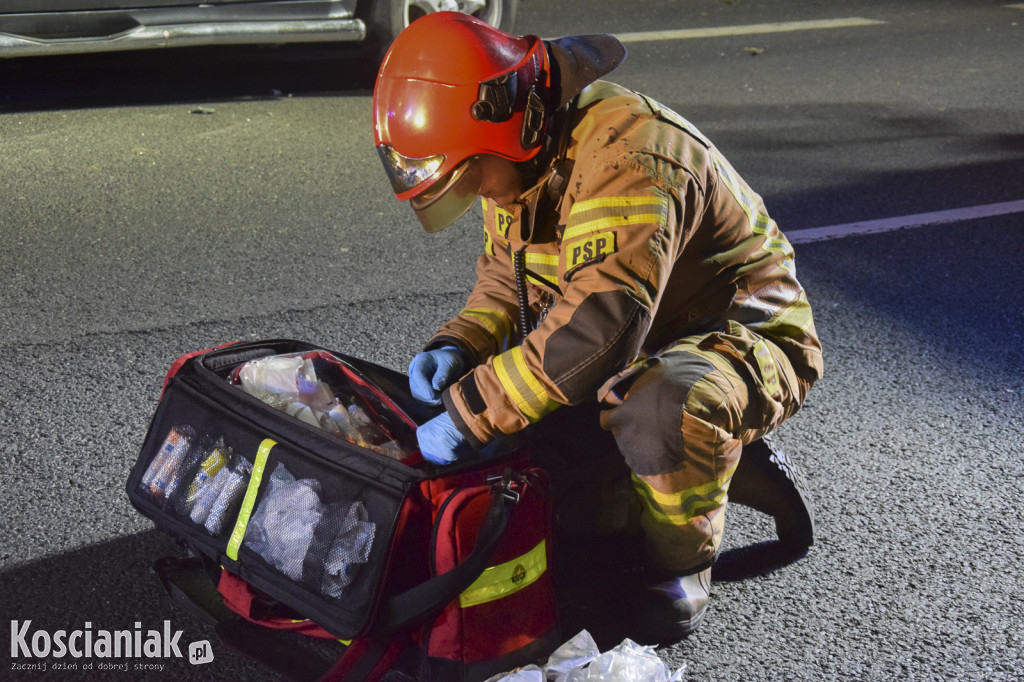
197,479
321,546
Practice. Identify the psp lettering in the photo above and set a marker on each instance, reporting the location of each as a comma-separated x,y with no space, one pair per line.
89,643
591,248
504,221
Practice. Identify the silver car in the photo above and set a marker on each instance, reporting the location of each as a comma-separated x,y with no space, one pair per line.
54,27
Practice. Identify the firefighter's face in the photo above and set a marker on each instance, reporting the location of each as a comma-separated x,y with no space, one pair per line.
500,180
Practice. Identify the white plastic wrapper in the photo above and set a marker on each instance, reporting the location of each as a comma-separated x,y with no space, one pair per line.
281,380
282,527
579,660
281,531
290,383
351,549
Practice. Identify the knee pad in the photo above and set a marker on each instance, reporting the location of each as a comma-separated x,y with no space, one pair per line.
649,424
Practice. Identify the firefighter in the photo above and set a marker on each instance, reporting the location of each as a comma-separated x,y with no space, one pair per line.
625,261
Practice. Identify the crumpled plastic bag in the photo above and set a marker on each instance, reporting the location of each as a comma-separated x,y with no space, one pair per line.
579,660
290,383
284,380
350,550
282,528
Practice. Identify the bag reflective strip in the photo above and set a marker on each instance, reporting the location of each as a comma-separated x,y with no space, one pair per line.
250,498
508,578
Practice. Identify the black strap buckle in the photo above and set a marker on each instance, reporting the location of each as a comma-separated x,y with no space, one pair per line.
508,483
533,120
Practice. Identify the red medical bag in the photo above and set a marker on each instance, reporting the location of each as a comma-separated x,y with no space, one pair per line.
291,475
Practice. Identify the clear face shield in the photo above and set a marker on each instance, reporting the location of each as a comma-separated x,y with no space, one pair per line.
446,199
449,198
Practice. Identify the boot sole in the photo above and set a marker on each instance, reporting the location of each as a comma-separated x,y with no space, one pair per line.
768,481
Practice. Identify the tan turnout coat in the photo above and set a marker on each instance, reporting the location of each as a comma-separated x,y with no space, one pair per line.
653,237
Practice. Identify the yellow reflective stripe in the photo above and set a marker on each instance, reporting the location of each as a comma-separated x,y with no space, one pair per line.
678,509
488,242
250,498
508,578
521,385
544,265
616,202
494,321
583,229
760,224
769,369
593,215
346,642
792,321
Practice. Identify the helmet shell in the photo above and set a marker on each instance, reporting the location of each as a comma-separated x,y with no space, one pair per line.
428,83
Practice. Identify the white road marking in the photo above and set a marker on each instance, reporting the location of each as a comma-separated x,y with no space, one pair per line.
816,234
751,29
1017,6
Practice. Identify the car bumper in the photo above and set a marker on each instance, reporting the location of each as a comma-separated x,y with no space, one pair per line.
90,32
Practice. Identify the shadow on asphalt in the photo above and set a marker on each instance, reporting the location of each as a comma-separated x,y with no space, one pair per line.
153,77
109,586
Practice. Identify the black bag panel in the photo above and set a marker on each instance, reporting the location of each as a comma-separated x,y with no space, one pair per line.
165,498
306,541
200,410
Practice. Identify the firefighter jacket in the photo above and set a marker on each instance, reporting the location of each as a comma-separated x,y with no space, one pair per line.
639,234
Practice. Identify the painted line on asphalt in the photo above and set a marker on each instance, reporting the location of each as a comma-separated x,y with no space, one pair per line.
750,29
816,234
1017,6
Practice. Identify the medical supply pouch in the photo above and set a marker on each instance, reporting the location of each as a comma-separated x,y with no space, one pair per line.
293,472
507,616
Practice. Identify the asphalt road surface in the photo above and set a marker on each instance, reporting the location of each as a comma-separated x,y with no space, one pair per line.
158,204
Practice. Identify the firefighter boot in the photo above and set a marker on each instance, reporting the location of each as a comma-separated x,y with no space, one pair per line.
671,609
767,480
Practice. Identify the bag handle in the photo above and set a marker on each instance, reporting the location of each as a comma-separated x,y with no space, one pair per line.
431,595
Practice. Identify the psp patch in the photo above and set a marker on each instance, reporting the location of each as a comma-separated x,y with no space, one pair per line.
595,247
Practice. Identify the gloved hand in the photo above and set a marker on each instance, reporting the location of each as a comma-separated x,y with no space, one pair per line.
441,442
432,371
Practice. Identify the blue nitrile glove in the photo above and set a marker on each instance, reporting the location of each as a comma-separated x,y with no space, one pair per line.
432,371
441,442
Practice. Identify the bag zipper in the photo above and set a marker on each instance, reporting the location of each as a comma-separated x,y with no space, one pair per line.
431,554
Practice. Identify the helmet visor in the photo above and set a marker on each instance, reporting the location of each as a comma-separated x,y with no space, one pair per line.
406,173
449,198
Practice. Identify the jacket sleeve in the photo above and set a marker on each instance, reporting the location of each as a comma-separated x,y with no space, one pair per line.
615,256
485,326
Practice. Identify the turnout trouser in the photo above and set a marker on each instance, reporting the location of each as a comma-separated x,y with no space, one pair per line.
680,418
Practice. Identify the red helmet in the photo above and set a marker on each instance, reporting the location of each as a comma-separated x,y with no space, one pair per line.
452,87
